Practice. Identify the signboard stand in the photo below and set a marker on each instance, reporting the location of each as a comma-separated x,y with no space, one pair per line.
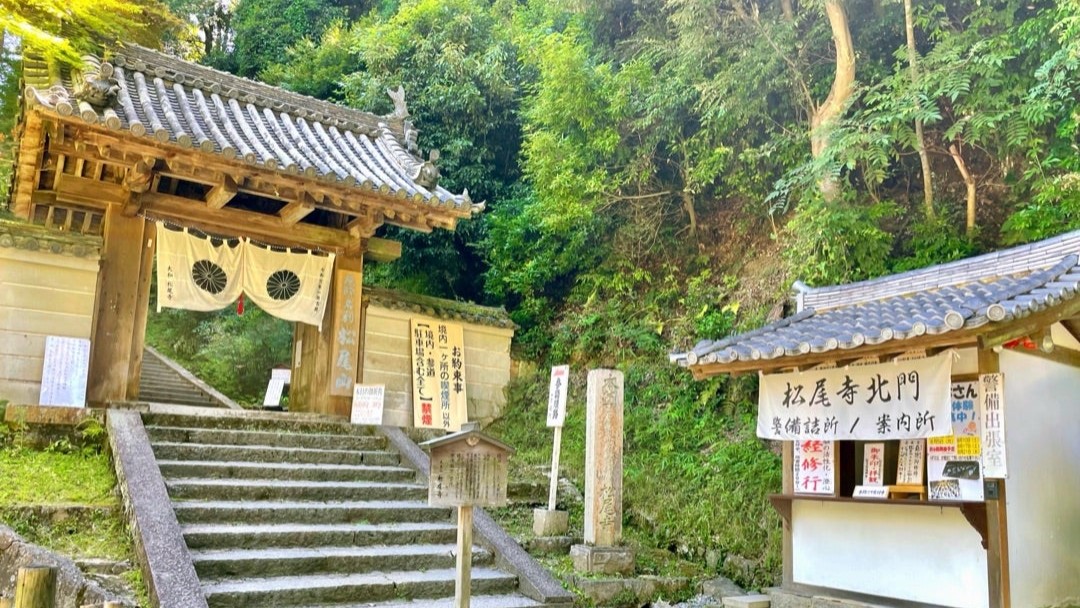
468,469
551,522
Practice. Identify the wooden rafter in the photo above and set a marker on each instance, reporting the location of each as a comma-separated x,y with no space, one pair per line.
222,193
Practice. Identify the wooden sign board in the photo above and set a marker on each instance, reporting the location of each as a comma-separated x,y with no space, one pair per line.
346,332
468,469
367,404
438,374
63,374
560,380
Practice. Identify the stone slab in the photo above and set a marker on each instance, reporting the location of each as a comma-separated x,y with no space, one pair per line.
747,601
602,560
550,523
604,458
550,545
721,587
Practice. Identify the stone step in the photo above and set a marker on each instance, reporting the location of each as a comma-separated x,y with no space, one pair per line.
174,434
274,489
248,421
337,588
197,451
265,536
510,600
208,469
307,512
152,397
218,564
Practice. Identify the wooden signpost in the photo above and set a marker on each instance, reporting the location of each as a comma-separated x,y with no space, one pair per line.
550,522
468,469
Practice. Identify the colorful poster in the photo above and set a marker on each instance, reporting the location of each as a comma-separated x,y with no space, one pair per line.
897,400
953,463
556,410
438,375
992,391
367,404
873,464
814,465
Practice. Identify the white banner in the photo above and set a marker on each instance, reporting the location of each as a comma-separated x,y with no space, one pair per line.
895,400
196,274
560,379
290,286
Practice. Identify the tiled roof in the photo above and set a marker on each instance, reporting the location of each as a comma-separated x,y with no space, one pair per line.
152,95
450,310
991,289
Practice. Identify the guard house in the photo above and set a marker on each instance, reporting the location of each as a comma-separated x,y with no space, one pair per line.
111,148
930,427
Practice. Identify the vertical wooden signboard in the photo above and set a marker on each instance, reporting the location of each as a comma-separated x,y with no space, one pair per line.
346,335
438,374
556,416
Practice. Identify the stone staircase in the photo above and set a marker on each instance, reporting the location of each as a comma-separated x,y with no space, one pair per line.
314,514
164,381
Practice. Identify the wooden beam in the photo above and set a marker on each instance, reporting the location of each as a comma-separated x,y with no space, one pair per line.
997,523
1007,332
1062,355
89,192
27,162
234,222
295,211
382,250
221,194
142,309
1073,327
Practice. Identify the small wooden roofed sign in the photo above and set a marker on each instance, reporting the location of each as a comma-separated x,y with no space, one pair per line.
1013,319
139,135
468,468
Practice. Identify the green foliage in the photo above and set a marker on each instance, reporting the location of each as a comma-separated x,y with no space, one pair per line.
233,353
934,241
264,29
830,243
55,477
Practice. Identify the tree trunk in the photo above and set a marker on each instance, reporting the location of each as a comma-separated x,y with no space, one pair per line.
688,205
843,86
787,7
969,181
920,141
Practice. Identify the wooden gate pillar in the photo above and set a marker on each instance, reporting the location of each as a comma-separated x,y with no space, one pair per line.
327,363
120,308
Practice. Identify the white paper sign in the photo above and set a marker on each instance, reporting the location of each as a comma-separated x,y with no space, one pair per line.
367,404
871,492
556,410
896,400
63,374
993,427
285,375
814,467
274,388
873,464
909,468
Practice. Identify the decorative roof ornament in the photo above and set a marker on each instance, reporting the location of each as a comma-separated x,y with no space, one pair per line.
401,111
96,84
427,173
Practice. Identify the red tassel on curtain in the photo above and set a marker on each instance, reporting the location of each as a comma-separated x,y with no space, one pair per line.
240,305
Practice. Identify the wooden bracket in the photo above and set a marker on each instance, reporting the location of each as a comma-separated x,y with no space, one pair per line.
221,194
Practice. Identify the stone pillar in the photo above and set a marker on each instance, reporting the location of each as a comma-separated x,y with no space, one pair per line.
603,477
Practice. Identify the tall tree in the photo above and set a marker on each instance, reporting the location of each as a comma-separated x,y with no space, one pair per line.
825,115
920,139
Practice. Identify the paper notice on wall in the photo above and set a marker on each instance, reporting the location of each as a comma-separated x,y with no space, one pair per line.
63,374
953,463
909,467
367,404
992,397
438,374
274,388
814,467
873,464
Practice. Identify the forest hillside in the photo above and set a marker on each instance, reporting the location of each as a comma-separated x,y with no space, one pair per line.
659,171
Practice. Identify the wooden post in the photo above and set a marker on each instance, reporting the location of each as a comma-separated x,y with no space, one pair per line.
6,602
115,310
35,587
553,489
463,576
788,488
997,524
142,309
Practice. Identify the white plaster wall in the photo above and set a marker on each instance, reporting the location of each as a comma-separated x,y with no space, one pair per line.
916,553
1042,442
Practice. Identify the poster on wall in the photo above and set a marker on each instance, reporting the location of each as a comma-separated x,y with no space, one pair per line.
367,404
954,462
992,396
814,467
438,374
63,374
909,466
906,399
873,464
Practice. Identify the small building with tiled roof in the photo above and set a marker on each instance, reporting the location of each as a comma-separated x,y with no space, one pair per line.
114,147
929,422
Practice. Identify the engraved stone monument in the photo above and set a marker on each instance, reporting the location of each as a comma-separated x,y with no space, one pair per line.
603,478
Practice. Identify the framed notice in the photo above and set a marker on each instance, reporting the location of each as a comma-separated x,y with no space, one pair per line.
815,467
63,374
367,404
954,462
438,374
556,411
